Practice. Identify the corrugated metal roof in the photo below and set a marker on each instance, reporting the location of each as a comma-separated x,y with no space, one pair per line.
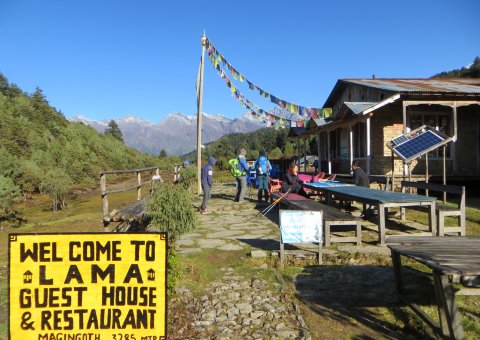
358,107
321,121
448,85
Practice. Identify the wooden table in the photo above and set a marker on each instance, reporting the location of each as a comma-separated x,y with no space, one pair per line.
381,199
446,256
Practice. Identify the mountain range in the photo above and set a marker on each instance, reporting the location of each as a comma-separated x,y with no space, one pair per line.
176,133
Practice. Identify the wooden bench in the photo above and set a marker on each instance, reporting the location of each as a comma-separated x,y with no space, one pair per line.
443,210
332,217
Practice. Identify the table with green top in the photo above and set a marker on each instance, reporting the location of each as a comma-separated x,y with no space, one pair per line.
382,199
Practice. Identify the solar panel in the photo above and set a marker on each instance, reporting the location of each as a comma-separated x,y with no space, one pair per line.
418,145
399,140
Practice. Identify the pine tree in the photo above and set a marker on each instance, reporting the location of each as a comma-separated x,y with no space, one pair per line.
114,131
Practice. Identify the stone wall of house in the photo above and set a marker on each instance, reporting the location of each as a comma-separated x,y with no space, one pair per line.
387,124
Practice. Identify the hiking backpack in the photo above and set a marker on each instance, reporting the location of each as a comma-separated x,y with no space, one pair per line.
262,166
233,166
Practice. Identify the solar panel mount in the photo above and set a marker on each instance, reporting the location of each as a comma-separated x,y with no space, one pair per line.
418,142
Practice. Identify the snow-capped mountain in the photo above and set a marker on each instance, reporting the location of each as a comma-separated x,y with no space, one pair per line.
176,133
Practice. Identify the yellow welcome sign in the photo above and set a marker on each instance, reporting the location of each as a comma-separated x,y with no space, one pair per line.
87,286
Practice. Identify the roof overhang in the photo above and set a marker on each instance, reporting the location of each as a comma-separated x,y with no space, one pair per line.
358,116
384,102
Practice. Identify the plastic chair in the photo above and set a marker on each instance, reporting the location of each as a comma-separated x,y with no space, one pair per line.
274,184
319,176
331,177
305,177
316,178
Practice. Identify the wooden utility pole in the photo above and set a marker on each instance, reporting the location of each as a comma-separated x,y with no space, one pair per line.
199,114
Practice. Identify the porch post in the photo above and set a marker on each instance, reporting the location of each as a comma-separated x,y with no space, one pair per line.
298,153
452,150
369,151
393,171
350,156
404,132
426,172
304,155
319,153
329,155
444,172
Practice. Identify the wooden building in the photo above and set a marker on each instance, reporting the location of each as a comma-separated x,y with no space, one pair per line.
368,113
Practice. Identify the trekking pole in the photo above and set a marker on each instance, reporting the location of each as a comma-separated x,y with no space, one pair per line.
267,209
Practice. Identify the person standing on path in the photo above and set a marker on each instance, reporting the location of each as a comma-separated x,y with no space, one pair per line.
262,167
207,181
241,179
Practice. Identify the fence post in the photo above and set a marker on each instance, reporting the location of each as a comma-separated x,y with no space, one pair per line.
139,189
103,189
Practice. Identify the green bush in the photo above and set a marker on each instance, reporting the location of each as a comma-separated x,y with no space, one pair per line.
173,272
188,176
170,209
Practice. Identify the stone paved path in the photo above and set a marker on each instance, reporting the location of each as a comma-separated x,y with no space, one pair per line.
232,225
228,225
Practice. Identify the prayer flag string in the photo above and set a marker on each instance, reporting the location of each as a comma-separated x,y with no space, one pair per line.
272,119
216,57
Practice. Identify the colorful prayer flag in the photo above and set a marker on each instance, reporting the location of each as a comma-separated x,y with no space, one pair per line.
327,112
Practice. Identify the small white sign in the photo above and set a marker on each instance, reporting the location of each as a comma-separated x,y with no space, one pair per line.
297,226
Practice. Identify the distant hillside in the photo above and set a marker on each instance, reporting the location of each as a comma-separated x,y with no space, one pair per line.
274,142
41,151
176,133
472,71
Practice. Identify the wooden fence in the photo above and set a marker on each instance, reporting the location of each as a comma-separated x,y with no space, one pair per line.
107,215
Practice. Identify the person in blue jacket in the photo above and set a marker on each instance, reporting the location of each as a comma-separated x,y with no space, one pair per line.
241,179
207,181
262,167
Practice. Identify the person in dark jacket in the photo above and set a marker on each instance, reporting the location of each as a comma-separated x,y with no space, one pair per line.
359,176
292,181
207,181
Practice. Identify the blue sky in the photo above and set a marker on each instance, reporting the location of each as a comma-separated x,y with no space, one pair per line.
110,58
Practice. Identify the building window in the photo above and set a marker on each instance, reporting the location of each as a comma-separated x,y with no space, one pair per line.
439,121
382,96
360,140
